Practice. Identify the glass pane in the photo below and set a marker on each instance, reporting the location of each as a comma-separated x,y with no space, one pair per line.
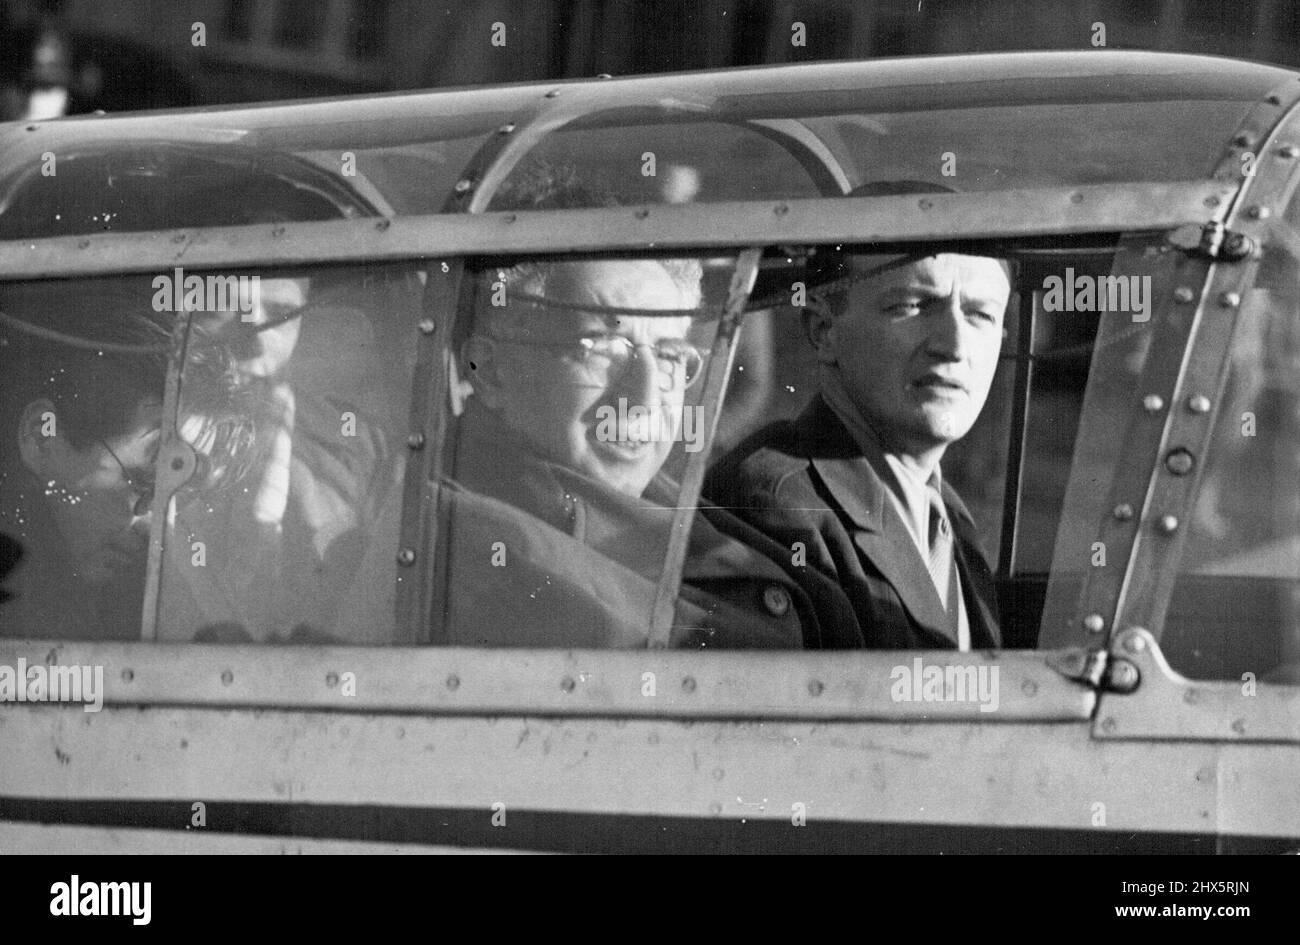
326,162
576,401
368,28
1094,421
82,371
148,187
1236,606
1064,340
239,20
1089,143
748,134
669,161
796,145
294,398
299,24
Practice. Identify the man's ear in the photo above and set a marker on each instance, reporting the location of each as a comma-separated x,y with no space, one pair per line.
479,356
38,429
819,329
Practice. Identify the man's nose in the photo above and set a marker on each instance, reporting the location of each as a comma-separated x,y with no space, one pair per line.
948,339
643,379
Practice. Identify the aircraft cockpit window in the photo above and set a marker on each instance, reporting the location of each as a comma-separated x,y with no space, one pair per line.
290,396
866,381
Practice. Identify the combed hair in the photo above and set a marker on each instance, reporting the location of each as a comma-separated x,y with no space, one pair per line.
540,184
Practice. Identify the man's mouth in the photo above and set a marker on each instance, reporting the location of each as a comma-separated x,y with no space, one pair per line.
936,383
626,450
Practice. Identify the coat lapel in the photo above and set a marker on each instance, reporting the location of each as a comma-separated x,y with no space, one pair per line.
880,534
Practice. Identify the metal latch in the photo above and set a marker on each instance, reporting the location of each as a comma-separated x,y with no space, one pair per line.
1211,240
1096,668
1079,664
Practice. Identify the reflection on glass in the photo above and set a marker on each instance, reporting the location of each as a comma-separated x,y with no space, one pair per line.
82,370
291,534
287,528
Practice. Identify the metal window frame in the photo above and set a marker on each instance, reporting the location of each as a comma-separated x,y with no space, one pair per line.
1115,599
1166,704
1022,383
716,376
439,681
1044,211
1170,707
1153,565
424,441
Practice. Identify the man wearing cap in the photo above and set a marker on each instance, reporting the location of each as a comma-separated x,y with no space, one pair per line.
906,348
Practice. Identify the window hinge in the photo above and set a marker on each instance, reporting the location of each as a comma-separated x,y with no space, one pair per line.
1211,241
1082,665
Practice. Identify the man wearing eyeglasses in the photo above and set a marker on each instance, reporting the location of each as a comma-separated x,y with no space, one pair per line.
580,385
81,412
545,366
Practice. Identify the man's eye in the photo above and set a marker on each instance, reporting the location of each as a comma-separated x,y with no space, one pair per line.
607,345
906,307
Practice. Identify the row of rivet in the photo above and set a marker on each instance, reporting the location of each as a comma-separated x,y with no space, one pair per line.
1180,461
815,687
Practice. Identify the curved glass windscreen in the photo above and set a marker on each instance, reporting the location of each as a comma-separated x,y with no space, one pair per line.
963,124
827,145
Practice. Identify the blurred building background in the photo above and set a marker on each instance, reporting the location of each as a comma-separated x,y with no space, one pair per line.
119,54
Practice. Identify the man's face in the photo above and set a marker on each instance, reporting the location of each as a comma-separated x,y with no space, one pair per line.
917,346
547,396
98,496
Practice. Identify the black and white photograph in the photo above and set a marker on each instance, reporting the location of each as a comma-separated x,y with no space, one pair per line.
651,427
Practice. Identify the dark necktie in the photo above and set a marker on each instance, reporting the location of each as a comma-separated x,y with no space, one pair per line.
943,569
